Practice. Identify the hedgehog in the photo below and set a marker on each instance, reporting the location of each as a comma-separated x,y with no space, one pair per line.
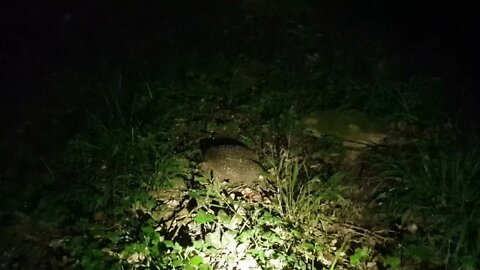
235,164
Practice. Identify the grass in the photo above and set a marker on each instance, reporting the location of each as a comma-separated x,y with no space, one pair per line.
435,198
299,200
126,192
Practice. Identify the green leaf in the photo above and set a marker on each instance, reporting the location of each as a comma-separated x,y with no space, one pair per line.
392,262
169,243
308,246
259,254
189,267
228,240
177,263
204,266
213,239
223,217
151,234
267,218
272,238
113,236
235,222
360,254
199,244
246,235
203,217
197,260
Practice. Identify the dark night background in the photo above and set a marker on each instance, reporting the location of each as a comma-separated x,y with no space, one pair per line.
41,40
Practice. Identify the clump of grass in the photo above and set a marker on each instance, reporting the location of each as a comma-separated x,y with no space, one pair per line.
300,200
436,198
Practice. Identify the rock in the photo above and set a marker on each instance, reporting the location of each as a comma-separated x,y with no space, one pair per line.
354,127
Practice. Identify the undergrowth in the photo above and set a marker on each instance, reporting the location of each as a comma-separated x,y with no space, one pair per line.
433,195
127,192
